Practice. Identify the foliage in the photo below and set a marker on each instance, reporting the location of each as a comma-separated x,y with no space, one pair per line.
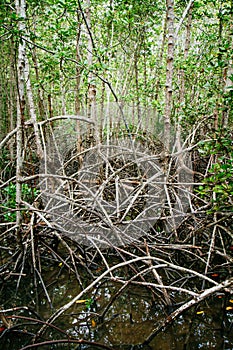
9,199
89,303
219,179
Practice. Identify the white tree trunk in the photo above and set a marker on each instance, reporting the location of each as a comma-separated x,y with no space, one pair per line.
20,10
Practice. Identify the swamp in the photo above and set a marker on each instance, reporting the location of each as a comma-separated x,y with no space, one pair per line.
116,174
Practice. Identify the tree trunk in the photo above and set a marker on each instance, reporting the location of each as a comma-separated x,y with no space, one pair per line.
182,84
169,73
20,6
13,94
63,91
186,51
77,88
160,60
91,94
40,92
137,86
32,111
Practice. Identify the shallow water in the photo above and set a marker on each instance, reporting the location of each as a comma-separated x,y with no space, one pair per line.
128,322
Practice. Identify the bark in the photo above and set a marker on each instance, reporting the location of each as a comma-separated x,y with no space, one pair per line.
12,97
32,111
50,107
91,94
160,59
172,36
145,77
20,10
77,87
182,84
101,116
63,92
136,56
169,73
186,51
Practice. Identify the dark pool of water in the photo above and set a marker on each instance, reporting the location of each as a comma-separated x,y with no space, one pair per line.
129,321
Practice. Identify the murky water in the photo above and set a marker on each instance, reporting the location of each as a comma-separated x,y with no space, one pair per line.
128,321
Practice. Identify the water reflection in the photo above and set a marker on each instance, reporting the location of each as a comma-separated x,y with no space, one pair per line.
128,321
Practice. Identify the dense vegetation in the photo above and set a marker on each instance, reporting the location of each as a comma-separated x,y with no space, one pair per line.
116,155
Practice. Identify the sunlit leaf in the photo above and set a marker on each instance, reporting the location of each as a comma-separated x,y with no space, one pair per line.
228,308
215,275
82,301
93,323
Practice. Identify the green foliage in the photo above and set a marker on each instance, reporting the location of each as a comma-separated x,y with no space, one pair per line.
7,165
9,199
89,303
219,179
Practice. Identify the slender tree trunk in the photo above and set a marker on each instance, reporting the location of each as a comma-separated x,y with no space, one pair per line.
50,106
20,6
137,87
186,11
169,73
91,94
77,87
40,92
186,51
63,92
160,59
182,84
32,110
13,94
168,105
101,116
145,79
